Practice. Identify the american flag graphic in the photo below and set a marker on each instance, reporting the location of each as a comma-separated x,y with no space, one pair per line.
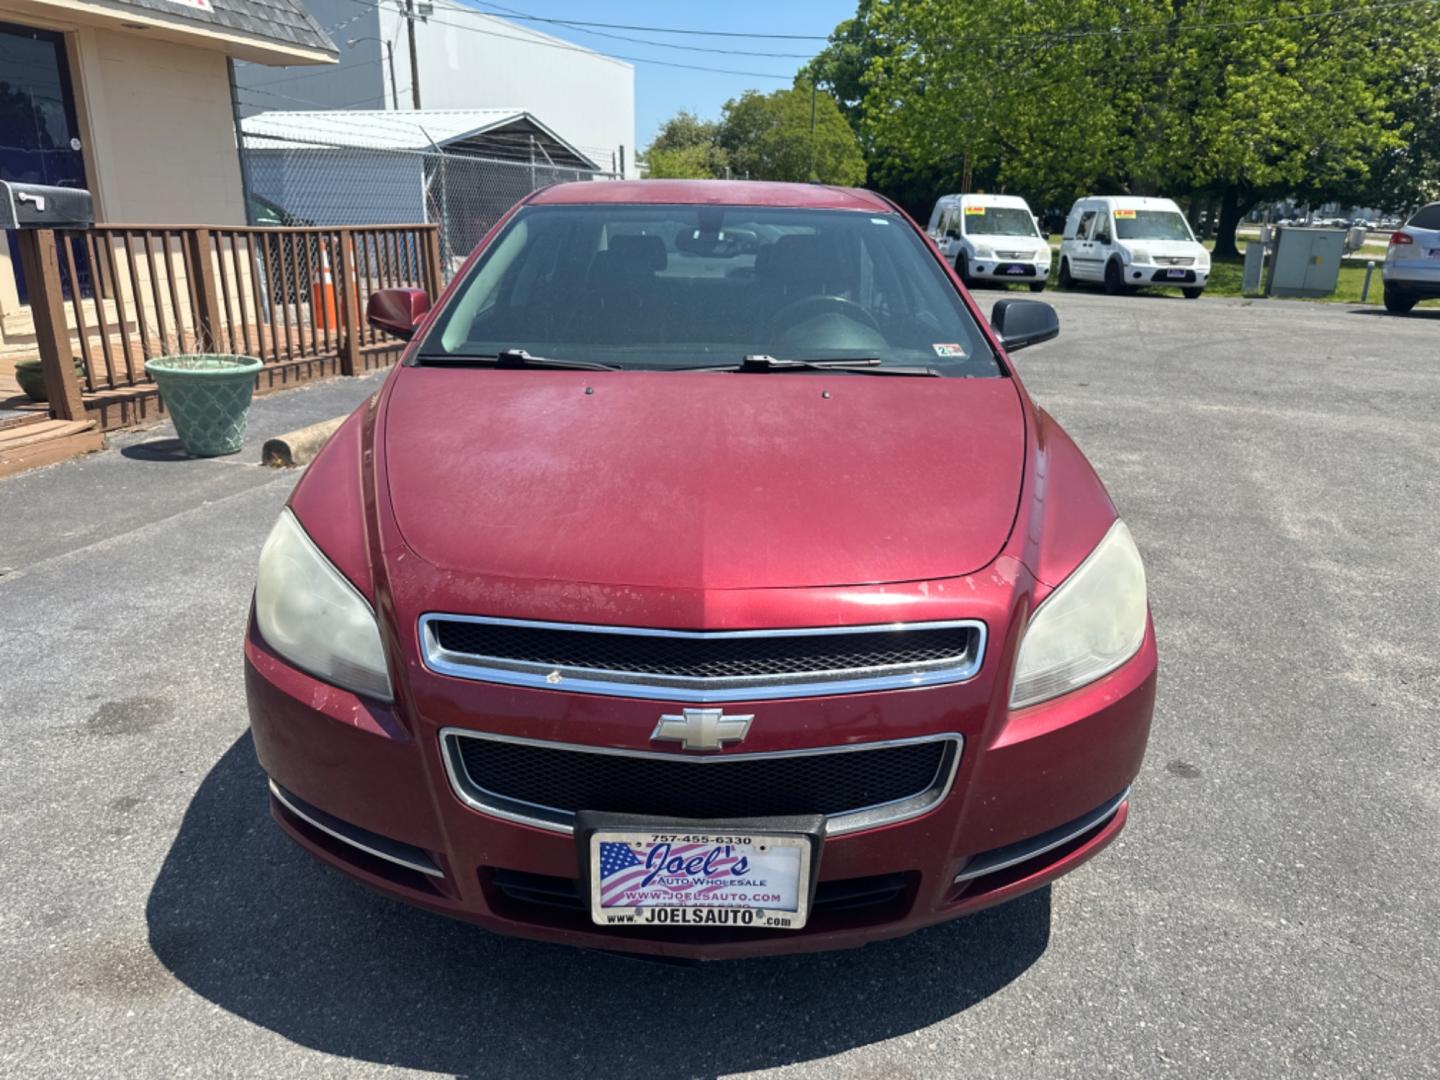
621,869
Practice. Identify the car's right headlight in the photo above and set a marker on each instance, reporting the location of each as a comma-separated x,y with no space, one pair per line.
309,613
983,251
1090,625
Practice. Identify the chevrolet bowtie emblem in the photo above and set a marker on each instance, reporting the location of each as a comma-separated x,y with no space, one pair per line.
701,729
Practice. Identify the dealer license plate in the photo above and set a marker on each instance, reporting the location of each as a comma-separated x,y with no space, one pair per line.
722,879
1174,273
1014,269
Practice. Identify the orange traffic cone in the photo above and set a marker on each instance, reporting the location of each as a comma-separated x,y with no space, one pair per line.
322,294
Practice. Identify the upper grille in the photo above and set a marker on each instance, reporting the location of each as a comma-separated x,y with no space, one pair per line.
1015,254
698,665
548,783
1174,260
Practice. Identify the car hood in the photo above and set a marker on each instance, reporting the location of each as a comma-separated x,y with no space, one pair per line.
999,241
1166,247
702,480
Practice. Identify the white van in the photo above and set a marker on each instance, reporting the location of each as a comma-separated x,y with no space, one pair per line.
991,237
1126,241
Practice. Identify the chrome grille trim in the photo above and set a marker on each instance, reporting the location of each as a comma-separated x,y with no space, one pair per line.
559,820
990,862
659,687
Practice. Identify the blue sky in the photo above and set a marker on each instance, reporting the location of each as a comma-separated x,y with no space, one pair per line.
660,92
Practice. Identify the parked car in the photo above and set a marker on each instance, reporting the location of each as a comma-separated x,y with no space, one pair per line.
1412,261
1126,242
702,599
991,238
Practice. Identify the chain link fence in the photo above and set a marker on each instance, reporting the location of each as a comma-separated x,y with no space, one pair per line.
326,185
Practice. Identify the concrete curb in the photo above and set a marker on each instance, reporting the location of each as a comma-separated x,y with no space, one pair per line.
300,446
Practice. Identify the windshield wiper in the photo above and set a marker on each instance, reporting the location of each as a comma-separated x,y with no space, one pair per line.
861,365
516,358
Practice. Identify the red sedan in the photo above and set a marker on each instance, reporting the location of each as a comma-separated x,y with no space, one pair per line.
702,583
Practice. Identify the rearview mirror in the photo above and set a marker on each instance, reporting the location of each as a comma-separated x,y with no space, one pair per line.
1018,323
397,311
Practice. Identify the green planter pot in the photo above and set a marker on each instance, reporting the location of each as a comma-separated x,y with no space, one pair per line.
31,378
208,397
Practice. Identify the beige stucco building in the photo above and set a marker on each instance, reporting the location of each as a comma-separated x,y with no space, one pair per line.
134,100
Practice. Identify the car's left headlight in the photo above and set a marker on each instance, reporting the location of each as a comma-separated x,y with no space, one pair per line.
1090,625
309,613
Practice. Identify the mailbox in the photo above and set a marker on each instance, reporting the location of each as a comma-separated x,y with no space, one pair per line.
40,206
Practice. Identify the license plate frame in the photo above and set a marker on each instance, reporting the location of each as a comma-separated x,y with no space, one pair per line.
1014,268
1175,272
792,845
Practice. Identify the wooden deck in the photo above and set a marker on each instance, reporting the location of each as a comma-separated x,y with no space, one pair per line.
36,441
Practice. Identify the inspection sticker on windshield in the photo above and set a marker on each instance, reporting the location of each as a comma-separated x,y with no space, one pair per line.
1124,213
949,350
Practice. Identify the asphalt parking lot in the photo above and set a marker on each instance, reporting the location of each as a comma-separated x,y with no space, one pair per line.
1270,911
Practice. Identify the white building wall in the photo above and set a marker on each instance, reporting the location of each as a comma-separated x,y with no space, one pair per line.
467,60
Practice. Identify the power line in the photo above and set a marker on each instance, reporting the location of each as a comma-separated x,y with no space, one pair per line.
571,47
667,29
511,13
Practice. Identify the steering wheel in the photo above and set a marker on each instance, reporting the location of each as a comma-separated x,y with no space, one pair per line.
810,306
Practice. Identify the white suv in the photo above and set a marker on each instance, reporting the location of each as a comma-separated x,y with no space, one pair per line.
1412,264
992,238
1126,242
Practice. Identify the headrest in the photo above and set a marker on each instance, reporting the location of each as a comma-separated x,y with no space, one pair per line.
634,253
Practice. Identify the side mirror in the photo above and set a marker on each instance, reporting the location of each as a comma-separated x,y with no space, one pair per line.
1018,323
397,311
952,234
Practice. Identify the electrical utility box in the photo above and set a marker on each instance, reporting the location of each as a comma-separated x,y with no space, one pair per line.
1305,262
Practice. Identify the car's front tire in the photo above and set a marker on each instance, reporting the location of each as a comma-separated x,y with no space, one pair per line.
1192,292
962,269
1114,279
1065,280
1397,302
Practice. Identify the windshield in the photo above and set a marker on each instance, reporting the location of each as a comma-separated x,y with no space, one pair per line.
669,287
1151,225
999,221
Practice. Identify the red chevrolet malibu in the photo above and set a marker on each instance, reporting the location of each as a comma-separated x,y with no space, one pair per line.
702,583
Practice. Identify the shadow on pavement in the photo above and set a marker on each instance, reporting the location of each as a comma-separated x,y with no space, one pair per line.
253,924
157,450
1430,314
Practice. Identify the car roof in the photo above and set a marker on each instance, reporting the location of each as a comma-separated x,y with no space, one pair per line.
713,192
981,197
1139,202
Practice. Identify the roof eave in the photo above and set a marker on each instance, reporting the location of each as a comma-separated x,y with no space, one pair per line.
177,28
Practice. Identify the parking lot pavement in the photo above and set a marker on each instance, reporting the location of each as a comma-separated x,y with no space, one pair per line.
1270,911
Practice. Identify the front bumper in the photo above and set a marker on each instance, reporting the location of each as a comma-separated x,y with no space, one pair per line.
364,788
1019,270
1142,274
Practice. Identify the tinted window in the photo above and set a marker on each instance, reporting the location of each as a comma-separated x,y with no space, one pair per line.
1082,231
1427,217
998,221
1151,225
667,287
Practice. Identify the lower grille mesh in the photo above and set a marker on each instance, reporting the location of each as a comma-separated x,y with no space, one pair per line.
829,783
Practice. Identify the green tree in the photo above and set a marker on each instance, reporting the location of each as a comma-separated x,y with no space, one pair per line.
796,134
1242,99
686,148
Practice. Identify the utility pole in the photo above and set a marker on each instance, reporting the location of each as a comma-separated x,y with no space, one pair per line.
812,131
414,60
394,93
